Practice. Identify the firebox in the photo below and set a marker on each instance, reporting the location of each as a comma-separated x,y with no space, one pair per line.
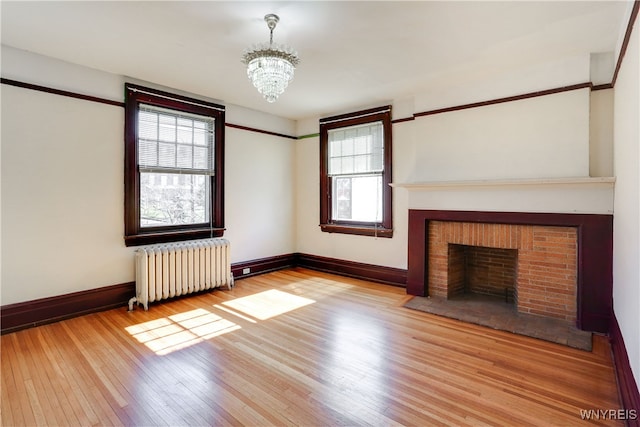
482,271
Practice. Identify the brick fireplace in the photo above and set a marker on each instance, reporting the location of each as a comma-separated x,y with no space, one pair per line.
563,261
533,265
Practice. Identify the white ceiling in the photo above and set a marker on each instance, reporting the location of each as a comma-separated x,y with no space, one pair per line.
353,54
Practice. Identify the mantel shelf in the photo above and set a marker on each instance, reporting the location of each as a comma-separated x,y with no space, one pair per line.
544,182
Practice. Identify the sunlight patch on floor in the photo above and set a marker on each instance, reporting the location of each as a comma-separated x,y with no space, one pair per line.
318,288
268,304
182,330
235,313
166,335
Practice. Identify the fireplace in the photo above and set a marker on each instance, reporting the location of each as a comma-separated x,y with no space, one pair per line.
534,263
563,270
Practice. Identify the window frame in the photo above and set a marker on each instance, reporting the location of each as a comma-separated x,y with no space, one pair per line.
135,234
327,223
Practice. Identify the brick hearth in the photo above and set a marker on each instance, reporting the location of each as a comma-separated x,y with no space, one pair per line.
546,262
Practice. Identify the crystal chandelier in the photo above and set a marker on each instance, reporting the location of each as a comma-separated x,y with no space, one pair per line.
270,67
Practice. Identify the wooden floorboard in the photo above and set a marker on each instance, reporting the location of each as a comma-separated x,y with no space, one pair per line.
295,347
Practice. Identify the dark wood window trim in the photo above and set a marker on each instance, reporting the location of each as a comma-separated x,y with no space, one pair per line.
136,235
327,224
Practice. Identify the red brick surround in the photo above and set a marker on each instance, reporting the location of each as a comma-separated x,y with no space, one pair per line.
546,268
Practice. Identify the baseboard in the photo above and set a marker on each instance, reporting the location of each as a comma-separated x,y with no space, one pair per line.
14,317
626,382
262,265
374,273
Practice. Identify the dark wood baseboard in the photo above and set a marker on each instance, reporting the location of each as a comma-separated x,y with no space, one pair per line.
627,385
14,317
374,273
263,265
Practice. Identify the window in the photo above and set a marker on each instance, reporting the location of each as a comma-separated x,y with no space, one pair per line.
355,173
174,148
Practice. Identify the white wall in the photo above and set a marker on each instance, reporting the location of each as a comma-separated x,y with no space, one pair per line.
259,193
626,220
542,137
62,182
601,133
62,196
469,86
49,72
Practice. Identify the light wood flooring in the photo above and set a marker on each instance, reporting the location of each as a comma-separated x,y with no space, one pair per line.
295,347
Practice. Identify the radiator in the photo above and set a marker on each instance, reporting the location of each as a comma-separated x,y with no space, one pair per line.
170,270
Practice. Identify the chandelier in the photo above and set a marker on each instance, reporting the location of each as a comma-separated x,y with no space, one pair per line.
270,66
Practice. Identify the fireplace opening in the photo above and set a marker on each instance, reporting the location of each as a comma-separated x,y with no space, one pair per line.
482,272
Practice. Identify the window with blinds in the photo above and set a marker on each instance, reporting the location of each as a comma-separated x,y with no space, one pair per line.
170,141
173,176
175,158
355,170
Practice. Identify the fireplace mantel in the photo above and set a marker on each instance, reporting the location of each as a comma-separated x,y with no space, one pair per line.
585,195
527,182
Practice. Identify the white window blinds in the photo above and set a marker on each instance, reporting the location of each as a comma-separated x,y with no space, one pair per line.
356,150
175,142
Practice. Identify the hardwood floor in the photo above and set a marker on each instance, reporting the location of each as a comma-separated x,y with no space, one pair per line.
295,347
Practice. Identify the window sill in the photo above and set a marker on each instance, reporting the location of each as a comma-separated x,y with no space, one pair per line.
357,230
173,236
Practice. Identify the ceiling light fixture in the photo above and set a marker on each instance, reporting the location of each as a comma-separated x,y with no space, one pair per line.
270,67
